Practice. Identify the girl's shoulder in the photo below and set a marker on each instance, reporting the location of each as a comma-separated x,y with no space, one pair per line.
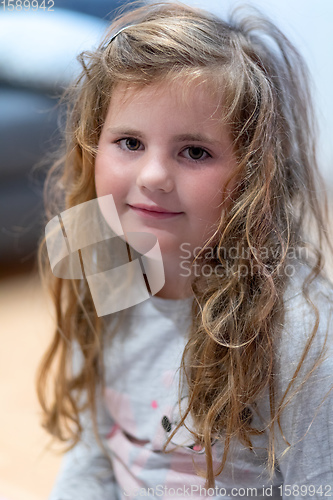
298,271
300,307
306,341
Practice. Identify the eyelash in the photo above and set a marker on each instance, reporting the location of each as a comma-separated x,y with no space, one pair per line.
124,148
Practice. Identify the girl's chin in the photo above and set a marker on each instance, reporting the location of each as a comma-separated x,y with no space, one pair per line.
142,239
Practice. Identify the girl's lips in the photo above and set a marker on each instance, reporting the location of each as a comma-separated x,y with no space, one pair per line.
154,213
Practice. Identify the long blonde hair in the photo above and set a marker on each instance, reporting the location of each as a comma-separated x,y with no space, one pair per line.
237,317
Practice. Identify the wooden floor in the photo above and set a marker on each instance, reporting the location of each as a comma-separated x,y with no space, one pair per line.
27,467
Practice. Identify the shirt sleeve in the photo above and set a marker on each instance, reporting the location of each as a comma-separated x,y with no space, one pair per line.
304,448
86,471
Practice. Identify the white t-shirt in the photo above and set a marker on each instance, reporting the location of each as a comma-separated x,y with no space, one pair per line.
139,410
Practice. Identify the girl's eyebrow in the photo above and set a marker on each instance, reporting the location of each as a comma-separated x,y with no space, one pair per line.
195,138
123,131
178,138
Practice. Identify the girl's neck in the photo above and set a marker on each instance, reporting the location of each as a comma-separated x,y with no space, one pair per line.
177,282
174,292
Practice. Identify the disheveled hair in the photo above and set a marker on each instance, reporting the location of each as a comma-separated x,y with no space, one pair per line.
262,83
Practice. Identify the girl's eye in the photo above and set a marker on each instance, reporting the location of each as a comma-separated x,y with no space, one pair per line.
130,144
196,153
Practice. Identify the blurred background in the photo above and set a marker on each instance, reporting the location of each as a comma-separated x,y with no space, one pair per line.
38,48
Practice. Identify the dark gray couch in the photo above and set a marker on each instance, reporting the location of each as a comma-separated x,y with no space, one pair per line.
28,129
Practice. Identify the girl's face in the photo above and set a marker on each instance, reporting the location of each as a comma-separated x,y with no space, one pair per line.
165,160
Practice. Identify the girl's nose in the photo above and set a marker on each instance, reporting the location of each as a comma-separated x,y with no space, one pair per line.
155,174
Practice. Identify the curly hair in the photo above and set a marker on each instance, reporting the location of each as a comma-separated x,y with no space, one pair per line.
238,312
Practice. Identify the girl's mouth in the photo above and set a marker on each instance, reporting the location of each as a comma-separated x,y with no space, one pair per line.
154,212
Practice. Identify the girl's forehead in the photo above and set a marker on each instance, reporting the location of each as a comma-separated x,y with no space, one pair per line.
182,90
173,109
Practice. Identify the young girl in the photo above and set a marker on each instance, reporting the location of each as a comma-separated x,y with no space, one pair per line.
200,132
